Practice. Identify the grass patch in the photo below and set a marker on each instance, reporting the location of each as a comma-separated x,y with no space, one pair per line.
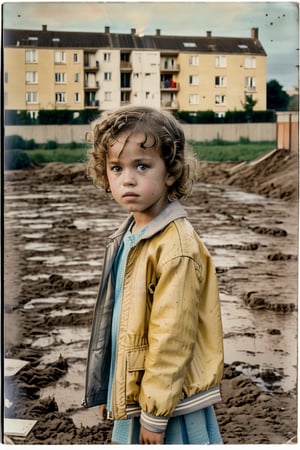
217,150
63,155
230,151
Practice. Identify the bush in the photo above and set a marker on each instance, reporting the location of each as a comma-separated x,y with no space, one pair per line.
16,142
16,159
244,140
30,144
13,142
50,145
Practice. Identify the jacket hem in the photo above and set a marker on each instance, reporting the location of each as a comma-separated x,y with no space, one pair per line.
95,400
186,406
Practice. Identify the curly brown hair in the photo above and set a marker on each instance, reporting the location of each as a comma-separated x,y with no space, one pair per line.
167,136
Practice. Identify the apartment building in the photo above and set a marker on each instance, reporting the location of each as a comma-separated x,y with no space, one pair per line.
46,69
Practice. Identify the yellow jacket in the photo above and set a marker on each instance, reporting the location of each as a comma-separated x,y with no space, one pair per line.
169,358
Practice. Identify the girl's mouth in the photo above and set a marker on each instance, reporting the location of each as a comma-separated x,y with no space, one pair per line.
130,196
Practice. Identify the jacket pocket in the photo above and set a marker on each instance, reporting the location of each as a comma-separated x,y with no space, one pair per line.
136,358
135,367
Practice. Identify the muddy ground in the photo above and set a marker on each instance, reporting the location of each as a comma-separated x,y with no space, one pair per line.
56,227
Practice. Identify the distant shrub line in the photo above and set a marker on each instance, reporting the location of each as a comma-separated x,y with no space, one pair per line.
229,117
15,141
83,117
51,117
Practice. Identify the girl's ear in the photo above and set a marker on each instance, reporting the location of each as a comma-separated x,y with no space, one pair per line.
170,180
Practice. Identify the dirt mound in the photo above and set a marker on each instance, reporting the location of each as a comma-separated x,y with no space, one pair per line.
52,172
274,175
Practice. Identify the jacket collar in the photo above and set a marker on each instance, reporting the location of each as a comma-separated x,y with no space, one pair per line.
173,211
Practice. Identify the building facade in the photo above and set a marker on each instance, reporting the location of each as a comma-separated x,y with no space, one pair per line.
46,70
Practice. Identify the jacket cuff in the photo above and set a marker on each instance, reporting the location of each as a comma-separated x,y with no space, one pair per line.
157,424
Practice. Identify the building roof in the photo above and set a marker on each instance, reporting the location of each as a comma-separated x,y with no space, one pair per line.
95,40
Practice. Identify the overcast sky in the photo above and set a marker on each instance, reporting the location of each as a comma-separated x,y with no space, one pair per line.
278,23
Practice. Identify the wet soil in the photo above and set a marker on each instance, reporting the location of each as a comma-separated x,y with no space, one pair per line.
56,227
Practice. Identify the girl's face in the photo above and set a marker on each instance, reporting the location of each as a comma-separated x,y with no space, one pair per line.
138,178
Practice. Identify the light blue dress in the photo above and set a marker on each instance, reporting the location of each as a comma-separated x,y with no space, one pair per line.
199,427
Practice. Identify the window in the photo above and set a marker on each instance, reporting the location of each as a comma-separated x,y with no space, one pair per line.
125,57
220,100
106,57
107,76
250,62
220,81
250,83
77,97
60,77
125,80
33,40
31,77
76,77
194,60
221,61
60,97
194,99
31,97
33,114
189,44
75,58
107,96
60,57
194,80
31,56
125,97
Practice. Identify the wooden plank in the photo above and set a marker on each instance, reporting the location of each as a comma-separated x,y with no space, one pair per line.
12,366
18,427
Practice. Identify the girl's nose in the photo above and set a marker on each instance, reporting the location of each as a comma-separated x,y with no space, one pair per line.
129,178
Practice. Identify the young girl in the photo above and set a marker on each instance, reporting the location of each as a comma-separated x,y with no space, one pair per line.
155,358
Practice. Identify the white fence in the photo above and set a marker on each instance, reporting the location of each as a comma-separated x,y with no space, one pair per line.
64,134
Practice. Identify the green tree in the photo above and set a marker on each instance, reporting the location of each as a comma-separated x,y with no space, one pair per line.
277,98
248,106
249,103
294,101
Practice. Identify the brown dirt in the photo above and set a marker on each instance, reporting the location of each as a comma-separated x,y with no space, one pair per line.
248,414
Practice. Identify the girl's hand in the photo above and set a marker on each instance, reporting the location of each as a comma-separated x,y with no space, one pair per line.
102,412
150,437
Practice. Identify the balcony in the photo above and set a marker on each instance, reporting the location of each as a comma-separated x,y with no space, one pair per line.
92,104
170,105
91,86
125,66
169,67
169,85
250,89
91,66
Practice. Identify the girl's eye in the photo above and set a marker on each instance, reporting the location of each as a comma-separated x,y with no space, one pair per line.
116,169
142,167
